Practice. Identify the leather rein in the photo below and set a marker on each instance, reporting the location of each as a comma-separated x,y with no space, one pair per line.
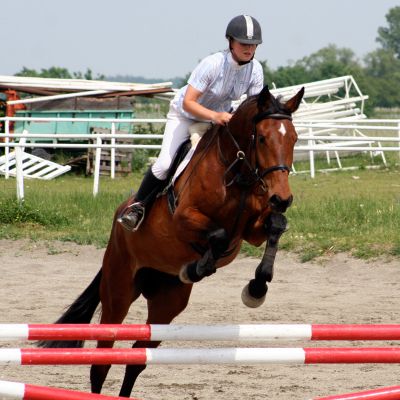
255,175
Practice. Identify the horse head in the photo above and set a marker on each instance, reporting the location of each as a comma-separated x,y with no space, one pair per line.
274,140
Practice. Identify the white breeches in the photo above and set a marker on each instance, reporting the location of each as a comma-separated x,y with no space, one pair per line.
175,133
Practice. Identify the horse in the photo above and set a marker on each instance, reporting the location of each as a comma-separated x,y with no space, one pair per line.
234,189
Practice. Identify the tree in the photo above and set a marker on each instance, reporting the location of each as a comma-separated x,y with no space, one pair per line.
58,73
328,62
389,37
382,78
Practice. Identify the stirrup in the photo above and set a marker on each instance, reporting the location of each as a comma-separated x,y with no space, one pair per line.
132,216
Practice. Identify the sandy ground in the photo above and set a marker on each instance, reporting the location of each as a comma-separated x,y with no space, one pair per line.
38,280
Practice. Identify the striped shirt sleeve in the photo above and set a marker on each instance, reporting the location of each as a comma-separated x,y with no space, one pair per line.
205,73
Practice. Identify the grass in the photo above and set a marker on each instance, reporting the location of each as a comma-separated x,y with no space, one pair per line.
354,211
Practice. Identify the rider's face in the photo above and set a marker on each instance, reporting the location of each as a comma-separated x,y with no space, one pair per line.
242,52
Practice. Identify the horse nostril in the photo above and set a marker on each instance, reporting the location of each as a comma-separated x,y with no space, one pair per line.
280,205
275,200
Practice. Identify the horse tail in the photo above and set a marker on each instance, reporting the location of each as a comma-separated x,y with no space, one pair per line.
79,312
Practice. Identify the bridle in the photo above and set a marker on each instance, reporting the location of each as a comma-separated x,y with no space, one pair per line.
255,175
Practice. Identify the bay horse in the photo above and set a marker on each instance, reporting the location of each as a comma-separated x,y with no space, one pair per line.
234,188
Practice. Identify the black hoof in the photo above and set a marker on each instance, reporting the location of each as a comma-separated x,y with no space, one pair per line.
188,274
257,290
253,294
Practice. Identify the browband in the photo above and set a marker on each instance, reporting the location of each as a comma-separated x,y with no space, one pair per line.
266,115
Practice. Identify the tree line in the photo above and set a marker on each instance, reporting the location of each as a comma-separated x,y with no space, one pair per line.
377,74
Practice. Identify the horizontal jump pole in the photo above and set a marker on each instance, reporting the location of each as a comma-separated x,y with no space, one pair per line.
25,391
386,393
199,332
142,356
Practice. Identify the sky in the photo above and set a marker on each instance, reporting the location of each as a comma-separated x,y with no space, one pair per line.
167,38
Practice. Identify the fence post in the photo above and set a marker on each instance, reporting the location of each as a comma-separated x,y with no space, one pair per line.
7,149
19,173
398,132
19,169
112,150
311,153
97,167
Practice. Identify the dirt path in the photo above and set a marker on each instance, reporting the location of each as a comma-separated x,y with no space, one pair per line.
40,279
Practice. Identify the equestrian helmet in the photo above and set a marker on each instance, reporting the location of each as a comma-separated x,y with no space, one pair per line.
244,29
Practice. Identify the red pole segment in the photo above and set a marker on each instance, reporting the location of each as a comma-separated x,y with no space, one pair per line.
33,392
352,355
387,393
355,332
22,391
83,356
89,332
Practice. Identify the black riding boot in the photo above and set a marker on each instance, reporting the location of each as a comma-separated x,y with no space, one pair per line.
133,215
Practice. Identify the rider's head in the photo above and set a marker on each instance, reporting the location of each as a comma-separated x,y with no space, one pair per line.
244,34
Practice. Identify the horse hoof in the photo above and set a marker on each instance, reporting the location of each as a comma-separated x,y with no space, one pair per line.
183,275
251,301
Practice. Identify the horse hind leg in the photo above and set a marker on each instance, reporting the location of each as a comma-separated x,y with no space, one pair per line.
166,298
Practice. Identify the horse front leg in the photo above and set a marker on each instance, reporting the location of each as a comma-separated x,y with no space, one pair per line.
254,292
194,272
210,240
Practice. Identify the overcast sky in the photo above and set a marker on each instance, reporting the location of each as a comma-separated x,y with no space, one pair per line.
166,38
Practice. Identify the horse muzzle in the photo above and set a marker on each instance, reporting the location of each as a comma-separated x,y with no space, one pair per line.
278,204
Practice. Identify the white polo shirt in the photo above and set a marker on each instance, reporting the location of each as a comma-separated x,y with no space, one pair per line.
221,80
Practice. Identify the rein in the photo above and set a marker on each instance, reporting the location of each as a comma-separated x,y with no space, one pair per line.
255,174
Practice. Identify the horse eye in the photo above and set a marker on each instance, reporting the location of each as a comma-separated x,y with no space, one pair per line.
261,139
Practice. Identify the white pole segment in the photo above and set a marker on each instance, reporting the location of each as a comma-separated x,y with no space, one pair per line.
10,356
12,390
231,332
226,356
14,331
57,97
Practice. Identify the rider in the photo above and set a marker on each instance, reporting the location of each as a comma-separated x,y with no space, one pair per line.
217,80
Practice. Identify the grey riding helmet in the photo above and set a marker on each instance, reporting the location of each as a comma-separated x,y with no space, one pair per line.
244,29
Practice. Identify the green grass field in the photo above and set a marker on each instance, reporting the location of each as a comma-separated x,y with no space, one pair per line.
354,211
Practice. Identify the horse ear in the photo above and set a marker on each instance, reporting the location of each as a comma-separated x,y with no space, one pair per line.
264,97
293,104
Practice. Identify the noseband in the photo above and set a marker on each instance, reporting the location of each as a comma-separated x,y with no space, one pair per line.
255,174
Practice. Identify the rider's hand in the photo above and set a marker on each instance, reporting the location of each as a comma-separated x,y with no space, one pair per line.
221,118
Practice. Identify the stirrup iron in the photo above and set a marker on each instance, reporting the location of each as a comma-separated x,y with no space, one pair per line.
139,210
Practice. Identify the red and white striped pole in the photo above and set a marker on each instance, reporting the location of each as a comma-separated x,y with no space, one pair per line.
387,393
341,355
199,332
25,391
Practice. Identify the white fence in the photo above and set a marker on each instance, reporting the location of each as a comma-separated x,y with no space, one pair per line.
316,136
